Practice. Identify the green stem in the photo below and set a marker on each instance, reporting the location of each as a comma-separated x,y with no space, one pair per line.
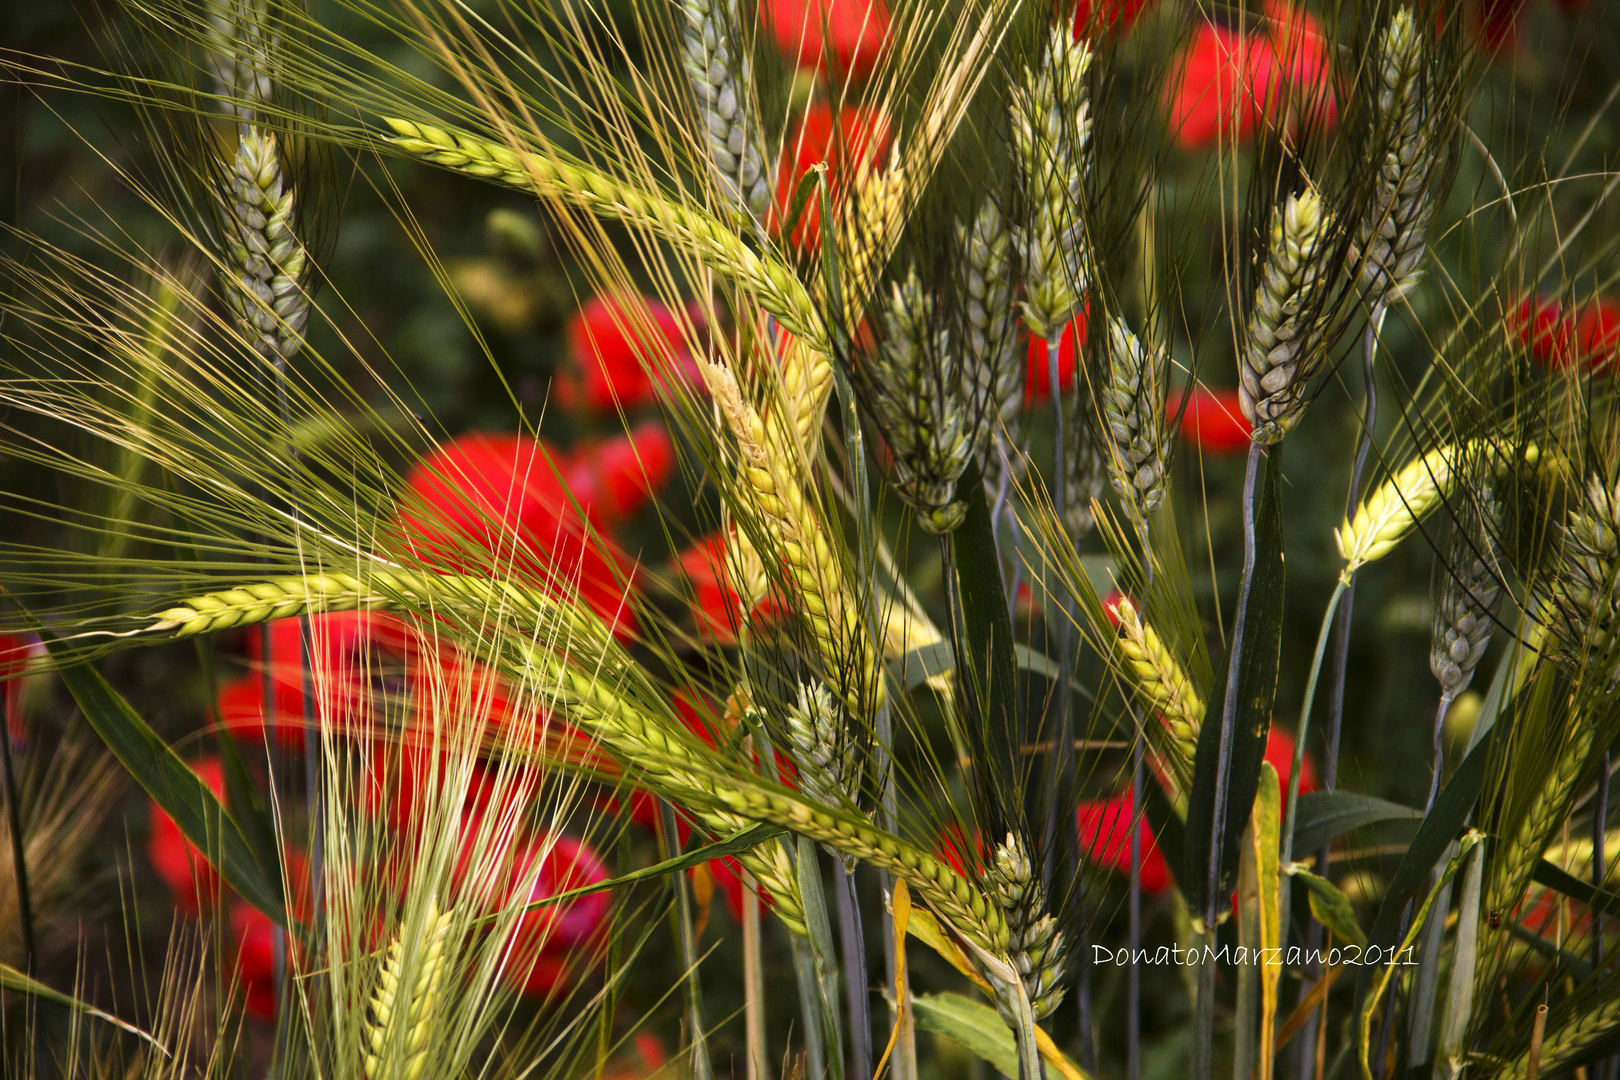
701,1067
1298,767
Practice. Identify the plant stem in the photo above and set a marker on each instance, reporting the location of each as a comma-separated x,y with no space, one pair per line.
14,825
701,1067
1204,1016
804,969
1057,789
856,989
1439,749
753,982
1133,973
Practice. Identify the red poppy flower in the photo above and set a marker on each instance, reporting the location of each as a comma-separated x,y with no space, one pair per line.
716,606
554,945
1598,334
1280,752
1037,367
17,651
481,495
1094,20
254,936
1105,837
1208,101
617,355
350,651
1545,329
846,35
179,863
614,478
1213,421
1290,68
856,139
1229,80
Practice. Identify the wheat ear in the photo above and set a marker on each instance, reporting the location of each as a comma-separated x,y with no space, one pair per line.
267,262
1583,598
406,1055
1395,508
1583,1030
1163,689
1034,943
1283,352
1134,411
768,467
1390,240
554,177
931,409
1462,619
1051,135
722,81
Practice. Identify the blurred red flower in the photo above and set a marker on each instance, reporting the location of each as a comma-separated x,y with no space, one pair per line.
554,945
352,656
853,140
1105,839
1280,752
17,651
254,937
1213,420
1229,80
716,606
1598,334
614,478
1037,368
618,355
809,33
179,863
1093,20
483,494
1546,330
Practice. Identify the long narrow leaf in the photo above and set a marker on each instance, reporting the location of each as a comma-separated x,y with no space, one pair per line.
12,979
179,791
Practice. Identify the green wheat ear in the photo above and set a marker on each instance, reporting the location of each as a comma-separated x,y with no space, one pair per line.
1282,353
405,1056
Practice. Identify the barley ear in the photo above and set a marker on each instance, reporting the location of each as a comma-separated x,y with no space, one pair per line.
1134,412
403,1013
722,81
1051,129
1034,943
1394,509
1390,240
1282,352
1163,690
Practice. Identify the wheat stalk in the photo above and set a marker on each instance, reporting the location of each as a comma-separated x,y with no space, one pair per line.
1133,409
1282,351
1511,870
932,409
1395,508
1583,598
1051,133
1035,945
406,1056
1462,619
722,81
1390,240
1163,689
835,622
553,177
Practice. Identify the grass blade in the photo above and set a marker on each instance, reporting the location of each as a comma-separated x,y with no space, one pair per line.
182,794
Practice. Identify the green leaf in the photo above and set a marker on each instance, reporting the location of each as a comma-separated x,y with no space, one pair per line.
1444,821
179,791
1326,815
12,979
1331,907
1261,619
984,638
975,1027
926,661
